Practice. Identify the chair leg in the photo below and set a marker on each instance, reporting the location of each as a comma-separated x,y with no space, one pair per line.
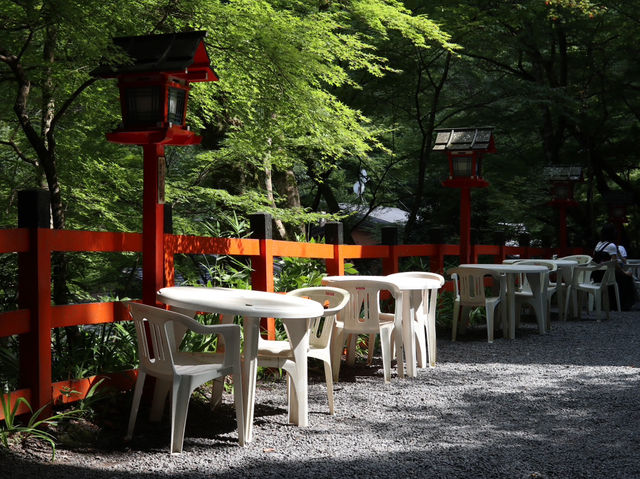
135,404
216,392
385,343
292,399
597,298
617,293
351,349
454,323
490,312
328,377
180,395
337,346
371,346
421,343
238,402
160,391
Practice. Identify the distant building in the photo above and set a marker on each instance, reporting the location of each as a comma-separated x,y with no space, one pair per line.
367,232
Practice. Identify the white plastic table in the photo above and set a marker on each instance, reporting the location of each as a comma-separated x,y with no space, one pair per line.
253,305
410,290
533,274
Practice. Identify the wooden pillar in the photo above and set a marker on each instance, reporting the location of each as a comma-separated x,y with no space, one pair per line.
152,222
262,275
34,293
169,264
562,213
334,234
389,236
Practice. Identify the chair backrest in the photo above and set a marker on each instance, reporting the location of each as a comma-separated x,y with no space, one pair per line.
362,313
156,342
470,286
334,300
580,258
551,266
609,277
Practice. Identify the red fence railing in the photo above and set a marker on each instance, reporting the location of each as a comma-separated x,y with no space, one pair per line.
37,317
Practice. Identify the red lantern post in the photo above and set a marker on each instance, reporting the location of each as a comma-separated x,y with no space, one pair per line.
563,180
154,89
464,148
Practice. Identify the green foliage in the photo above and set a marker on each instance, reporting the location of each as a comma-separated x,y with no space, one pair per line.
9,363
13,431
98,349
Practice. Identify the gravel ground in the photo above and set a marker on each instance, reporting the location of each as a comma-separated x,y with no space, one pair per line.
562,405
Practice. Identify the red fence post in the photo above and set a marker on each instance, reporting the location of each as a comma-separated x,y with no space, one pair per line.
389,236
34,293
436,260
334,234
262,274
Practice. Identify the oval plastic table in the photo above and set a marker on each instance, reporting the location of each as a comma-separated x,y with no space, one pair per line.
253,305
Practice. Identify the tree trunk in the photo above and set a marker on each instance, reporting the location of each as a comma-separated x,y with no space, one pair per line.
287,185
427,133
268,183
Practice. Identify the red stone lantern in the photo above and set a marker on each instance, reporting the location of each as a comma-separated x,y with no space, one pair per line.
154,87
563,180
465,148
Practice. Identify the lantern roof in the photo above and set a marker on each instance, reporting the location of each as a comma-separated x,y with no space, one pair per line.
563,173
465,139
180,54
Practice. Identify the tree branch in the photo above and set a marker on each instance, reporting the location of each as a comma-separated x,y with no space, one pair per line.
65,106
19,152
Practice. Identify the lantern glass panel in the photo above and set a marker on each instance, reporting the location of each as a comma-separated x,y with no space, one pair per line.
462,167
176,105
144,106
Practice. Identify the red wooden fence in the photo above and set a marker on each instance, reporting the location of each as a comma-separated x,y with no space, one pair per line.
37,316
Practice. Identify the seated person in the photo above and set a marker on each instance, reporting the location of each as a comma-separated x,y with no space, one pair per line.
606,250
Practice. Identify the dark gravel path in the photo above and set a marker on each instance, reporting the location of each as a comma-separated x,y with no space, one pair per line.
562,405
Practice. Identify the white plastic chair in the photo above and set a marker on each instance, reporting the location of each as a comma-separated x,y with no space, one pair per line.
425,315
362,316
279,354
541,307
583,277
599,291
160,357
470,292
